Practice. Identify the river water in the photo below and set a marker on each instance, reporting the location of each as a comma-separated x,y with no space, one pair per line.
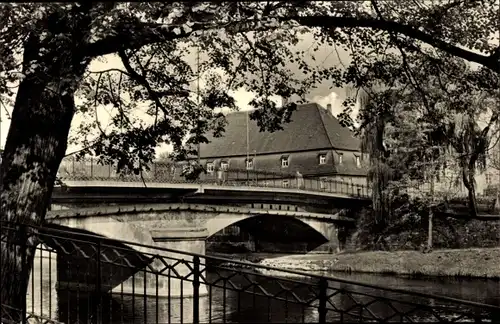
229,306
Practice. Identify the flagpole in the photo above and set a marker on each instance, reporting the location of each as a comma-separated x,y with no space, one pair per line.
248,137
198,92
248,147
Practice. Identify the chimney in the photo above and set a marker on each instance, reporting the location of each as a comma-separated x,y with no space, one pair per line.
284,101
329,108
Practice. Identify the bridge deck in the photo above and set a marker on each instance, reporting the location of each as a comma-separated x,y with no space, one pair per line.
201,188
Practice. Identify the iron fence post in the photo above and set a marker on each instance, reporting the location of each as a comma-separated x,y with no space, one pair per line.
98,284
196,289
323,286
23,240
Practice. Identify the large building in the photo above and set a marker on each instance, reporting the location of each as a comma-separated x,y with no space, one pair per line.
313,144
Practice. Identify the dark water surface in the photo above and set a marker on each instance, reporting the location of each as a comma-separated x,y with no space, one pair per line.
230,306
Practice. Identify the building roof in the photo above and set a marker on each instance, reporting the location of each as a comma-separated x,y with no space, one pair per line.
311,127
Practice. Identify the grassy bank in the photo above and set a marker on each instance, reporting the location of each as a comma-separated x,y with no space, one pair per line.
476,263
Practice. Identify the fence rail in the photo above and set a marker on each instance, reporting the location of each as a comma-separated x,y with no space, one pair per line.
88,170
98,280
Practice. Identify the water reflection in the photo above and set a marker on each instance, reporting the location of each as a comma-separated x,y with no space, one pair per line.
42,297
237,307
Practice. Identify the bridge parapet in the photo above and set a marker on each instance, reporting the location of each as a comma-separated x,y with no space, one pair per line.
90,169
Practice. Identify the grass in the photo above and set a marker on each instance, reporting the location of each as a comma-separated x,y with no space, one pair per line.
472,263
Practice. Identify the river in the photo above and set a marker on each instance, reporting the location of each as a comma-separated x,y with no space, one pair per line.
220,306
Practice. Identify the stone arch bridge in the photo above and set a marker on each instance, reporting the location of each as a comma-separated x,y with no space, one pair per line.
181,216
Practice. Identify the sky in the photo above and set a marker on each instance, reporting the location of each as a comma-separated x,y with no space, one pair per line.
323,94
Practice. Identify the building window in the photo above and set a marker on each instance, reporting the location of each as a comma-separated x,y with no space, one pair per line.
210,167
358,161
322,159
487,179
224,166
340,158
286,184
249,164
284,161
322,183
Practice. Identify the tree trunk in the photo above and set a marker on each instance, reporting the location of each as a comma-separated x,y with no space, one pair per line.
431,216
35,146
468,176
429,230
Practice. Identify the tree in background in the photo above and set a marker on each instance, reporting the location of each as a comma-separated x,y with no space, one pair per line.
47,49
431,116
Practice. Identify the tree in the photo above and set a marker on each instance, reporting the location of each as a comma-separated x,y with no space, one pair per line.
439,111
46,50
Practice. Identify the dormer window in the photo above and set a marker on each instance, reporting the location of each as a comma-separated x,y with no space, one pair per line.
340,158
249,164
284,161
358,161
210,167
322,159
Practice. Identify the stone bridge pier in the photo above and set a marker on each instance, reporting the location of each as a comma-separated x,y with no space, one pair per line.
126,268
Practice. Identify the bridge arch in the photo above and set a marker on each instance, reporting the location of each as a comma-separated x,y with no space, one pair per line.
223,220
279,228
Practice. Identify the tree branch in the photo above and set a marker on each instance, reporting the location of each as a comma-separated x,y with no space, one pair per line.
135,36
155,95
109,70
406,65
98,123
410,31
141,34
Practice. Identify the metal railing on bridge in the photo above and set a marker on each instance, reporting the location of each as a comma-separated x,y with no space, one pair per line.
88,169
107,281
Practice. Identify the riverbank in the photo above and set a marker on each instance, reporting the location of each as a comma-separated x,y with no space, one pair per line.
472,263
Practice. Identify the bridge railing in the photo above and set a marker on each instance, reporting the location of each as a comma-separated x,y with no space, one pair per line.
88,169
160,278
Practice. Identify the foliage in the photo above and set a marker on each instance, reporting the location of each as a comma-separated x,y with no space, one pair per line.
46,50
408,229
192,170
150,94
151,99
431,117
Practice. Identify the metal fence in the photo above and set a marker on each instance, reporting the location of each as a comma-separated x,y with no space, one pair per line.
82,278
88,169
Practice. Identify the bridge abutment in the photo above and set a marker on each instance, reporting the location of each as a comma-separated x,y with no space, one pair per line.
330,232
171,274
89,266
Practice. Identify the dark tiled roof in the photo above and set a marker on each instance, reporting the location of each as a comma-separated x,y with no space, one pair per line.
311,128
341,137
